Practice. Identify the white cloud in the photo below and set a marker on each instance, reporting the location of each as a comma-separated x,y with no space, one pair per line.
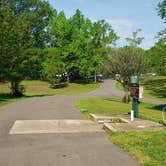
122,27
125,27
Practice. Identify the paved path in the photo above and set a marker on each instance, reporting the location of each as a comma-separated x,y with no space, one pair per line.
117,93
80,149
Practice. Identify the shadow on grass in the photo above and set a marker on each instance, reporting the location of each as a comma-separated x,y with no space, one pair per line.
8,97
157,87
154,107
59,86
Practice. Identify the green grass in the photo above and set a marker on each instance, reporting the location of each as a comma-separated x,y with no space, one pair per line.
42,88
149,147
154,87
115,106
119,86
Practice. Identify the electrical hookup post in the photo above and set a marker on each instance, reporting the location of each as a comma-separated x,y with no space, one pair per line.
134,93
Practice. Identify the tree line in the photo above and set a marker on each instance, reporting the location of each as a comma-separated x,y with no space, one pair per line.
37,42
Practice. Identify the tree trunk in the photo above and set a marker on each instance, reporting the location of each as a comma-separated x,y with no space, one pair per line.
126,97
16,89
68,77
95,77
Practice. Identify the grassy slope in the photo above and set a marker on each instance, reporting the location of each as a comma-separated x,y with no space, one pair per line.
115,106
41,88
154,87
149,147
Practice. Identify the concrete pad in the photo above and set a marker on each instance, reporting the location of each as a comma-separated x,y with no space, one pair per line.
100,118
54,126
137,125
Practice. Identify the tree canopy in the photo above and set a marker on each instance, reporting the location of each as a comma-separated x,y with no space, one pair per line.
37,42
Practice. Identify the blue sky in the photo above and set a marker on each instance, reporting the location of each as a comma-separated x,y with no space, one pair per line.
125,16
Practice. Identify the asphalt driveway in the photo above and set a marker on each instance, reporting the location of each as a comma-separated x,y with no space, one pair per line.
57,149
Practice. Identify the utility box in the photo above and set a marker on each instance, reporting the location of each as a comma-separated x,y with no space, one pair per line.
134,88
134,93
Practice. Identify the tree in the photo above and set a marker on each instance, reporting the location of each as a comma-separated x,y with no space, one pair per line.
15,39
34,59
162,9
102,35
83,44
157,54
157,58
126,62
162,13
53,66
37,13
135,41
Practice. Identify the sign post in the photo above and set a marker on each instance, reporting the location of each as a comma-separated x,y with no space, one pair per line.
134,92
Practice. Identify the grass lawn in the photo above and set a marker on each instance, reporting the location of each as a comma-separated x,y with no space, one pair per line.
42,88
119,86
154,87
115,106
149,147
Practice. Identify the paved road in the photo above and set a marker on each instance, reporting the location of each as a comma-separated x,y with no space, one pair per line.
80,149
117,93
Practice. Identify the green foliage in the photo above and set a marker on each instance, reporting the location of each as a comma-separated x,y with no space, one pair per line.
34,59
77,46
162,9
15,38
126,62
83,44
135,41
157,58
37,13
162,13
53,66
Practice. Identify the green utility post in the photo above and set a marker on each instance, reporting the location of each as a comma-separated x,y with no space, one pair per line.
135,95
135,107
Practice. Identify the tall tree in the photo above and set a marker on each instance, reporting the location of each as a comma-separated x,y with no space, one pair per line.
38,14
135,41
102,35
126,61
162,9
157,54
15,39
157,58
82,42
53,66
162,13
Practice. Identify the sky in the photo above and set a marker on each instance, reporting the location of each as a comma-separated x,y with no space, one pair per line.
125,16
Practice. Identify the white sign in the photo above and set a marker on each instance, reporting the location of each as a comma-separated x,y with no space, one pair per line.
141,89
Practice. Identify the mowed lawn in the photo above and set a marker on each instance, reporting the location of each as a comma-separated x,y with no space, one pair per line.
149,147
154,87
42,88
116,106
